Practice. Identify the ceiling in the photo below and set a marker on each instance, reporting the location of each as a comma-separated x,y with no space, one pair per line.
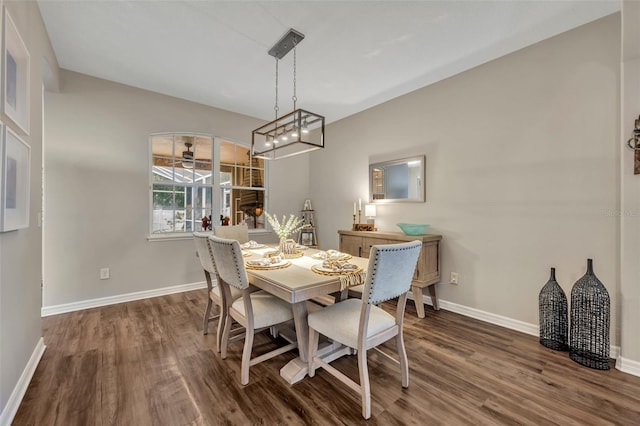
356,54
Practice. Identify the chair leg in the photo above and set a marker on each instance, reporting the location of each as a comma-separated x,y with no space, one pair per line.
313,349
273,330
207,313
404,362
225,336
246,357
222,320
365,390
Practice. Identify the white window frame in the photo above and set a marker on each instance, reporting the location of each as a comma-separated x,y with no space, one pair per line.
216,187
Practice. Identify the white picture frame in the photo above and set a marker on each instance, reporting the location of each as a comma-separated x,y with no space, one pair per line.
15,172
16,64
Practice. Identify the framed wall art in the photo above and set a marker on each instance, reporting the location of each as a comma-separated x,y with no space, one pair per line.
14,171
15,75
306,238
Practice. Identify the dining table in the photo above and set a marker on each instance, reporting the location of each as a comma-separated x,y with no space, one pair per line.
302,281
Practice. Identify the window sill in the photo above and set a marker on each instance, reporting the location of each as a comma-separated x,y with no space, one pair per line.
169,237
188,235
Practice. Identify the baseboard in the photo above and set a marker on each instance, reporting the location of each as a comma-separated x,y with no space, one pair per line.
500,320
614,352
9,411
628,366
121,298
510,323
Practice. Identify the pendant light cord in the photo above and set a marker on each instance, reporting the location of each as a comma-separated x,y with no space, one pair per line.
295,98
275,108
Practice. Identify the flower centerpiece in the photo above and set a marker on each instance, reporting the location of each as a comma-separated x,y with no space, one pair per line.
284,229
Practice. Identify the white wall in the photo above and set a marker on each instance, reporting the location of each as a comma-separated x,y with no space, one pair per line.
522,170
97,187
630,189
21,251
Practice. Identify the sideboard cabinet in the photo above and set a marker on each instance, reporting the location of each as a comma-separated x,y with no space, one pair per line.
427,273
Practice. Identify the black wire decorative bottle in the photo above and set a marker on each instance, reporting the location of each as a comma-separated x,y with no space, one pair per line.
590,318
554,328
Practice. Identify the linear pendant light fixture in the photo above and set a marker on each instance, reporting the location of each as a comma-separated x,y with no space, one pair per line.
296,132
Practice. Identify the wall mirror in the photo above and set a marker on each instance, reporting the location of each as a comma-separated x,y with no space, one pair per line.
397,180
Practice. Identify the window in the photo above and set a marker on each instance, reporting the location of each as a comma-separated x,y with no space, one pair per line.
242,186
183,183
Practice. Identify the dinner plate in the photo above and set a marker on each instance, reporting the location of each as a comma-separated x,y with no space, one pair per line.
246,253
257,246
319,269
343,256
278,265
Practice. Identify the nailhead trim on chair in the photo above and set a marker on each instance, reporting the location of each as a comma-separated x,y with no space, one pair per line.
238,271
211,254
235,254
375,267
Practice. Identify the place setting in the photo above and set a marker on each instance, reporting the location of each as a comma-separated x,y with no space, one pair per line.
250,245
336,267
331,255
267,262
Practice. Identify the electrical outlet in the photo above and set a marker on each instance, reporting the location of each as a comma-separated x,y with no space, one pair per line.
453,279
104,273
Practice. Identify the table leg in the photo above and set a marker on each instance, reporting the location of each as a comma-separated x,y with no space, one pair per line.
417,298
297,368
434,297
302,329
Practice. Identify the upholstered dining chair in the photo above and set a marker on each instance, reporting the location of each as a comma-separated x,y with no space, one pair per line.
362,325
254,311
238,232
214,294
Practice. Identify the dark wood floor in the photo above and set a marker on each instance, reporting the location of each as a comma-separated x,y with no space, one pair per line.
147,363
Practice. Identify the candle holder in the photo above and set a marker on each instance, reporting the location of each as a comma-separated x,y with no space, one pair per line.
364,227
361,226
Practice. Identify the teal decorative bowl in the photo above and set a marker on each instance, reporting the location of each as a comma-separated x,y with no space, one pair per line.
413,228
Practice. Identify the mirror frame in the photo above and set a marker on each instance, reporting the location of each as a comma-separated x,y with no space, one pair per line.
421,190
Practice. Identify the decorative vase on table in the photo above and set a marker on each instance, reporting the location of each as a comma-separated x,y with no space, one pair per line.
287,246
590,319
284,228
554,328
